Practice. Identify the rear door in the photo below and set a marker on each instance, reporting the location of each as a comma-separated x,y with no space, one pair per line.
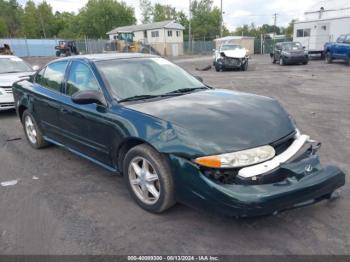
47,99
86,128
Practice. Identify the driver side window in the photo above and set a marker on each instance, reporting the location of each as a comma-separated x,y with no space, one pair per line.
80,78
341,39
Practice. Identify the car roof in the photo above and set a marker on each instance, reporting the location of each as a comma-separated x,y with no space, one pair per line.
109,56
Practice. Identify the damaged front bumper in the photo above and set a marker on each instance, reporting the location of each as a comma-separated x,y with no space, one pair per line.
231,62
296,181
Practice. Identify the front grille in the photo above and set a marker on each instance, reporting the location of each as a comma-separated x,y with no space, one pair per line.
232,61
282,144
7,89
3,105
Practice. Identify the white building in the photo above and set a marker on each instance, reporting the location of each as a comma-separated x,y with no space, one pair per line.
165,36
322,23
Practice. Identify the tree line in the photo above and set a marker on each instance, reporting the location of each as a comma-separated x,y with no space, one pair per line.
100,16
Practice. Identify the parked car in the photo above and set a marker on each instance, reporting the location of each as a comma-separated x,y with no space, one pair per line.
12,69
289,53
174,138
339,50
230,56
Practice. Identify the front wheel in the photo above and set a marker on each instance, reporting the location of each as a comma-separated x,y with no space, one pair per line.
244,66
148,178
282,63
329,59
218,67
32,132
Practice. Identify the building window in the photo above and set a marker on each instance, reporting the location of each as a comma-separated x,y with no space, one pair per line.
303,32
155,33
170,33
307,32
178,33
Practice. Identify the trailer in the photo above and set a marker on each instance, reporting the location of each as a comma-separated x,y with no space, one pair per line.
323,22
313,34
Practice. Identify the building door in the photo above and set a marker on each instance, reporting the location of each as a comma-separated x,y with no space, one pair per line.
175,49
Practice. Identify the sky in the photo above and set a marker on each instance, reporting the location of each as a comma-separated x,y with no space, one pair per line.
236,12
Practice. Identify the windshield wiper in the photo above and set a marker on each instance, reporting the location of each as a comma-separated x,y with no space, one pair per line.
139,97
186,90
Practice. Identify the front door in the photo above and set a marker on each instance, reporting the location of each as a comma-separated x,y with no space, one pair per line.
86,127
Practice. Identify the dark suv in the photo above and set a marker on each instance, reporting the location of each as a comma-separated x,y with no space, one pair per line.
289,53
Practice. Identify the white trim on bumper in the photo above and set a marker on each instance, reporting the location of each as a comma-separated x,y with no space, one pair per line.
275,162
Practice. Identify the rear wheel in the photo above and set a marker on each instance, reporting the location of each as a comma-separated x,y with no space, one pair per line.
33,134
329,59
148,178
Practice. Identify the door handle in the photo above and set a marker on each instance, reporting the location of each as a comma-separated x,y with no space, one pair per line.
63,110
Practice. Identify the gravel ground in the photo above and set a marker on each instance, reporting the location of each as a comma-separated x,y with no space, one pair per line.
63,204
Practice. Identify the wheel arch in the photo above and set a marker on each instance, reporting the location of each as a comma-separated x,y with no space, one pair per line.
124,148
21,110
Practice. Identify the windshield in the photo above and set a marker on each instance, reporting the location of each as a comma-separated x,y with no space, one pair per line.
145,77
292,46
13,65
230,47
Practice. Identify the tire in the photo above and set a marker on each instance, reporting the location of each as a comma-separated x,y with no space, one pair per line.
282,63
306,62
159,179
329,59
31,129
244,67
348,61
218,68
58,53
273,60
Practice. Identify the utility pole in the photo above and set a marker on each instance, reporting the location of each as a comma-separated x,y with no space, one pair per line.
189,26
275,22
221,19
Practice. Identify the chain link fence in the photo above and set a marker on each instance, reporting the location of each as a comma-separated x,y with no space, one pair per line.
46,47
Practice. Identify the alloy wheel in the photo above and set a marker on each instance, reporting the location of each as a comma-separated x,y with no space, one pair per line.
281,61
144,180
30,129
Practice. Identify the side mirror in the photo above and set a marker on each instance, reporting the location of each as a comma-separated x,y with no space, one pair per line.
86,97
36,67
199,78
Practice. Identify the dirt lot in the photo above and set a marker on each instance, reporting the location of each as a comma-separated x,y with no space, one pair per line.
63,204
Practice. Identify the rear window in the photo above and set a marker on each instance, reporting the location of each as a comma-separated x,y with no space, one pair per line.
52,76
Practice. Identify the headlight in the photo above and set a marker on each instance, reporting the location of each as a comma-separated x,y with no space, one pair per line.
285,53
238,159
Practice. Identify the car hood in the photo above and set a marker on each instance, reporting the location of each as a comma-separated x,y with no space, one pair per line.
9,78
220,121
235,53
